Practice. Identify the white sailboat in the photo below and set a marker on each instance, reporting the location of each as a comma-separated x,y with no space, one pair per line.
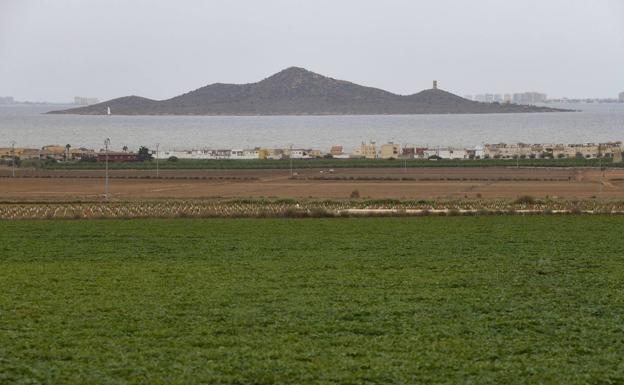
108,111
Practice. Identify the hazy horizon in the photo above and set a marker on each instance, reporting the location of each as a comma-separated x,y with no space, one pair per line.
53,51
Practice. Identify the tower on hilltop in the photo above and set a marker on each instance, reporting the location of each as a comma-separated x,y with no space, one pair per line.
435,84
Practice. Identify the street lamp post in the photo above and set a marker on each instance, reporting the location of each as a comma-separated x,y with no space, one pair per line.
157,172
106,144
13,157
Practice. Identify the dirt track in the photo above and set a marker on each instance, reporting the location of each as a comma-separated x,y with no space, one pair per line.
374,183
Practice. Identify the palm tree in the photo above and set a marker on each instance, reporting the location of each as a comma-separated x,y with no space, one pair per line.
125,148
67,147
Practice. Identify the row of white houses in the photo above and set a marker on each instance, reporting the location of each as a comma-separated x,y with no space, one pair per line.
393,150
368,150
241,154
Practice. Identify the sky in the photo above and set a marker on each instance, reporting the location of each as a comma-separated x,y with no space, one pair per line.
53,50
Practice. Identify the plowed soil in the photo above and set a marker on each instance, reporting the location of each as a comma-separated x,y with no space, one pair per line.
417,183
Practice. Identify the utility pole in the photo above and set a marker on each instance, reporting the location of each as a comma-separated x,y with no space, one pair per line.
13,157
106,144
290,156
404,159
601,172
157,174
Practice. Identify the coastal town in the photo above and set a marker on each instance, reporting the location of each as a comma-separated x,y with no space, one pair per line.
366,150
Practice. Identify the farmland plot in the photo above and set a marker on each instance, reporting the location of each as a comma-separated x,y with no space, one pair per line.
436,300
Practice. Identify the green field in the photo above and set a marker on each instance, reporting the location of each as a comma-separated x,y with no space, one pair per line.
229,164
432,300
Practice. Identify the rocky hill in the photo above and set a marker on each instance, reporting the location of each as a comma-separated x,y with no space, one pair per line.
296,91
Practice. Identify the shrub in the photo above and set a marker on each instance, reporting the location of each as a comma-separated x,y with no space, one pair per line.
321,213
144,154
355,194
292,212
32,163
453,212
524,199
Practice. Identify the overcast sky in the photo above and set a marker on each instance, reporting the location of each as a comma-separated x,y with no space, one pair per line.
53,50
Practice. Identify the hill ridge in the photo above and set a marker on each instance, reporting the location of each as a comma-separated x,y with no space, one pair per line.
298,91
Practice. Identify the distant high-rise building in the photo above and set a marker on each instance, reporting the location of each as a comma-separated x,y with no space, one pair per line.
498,98
7,100
480,98
507,98
489,98
82,101
540,98
529,98
621,98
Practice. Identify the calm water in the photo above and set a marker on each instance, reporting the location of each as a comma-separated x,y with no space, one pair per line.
29,126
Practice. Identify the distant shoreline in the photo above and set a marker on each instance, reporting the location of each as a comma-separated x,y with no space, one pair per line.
311,114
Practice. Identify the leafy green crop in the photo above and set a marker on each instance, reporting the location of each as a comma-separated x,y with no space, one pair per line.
432,300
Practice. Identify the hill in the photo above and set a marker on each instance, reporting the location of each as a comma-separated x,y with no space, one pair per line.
296,91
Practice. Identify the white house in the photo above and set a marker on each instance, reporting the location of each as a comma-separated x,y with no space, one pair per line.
244,154
479,152
299,153
252,153
452,153
185,154
429,152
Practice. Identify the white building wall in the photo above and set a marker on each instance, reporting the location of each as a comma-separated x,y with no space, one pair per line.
430,152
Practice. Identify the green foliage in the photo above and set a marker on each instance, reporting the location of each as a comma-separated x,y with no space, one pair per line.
431,300
525,199
36,163
144,154
343,163
88,159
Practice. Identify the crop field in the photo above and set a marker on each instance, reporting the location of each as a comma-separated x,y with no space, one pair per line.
294,208
436,300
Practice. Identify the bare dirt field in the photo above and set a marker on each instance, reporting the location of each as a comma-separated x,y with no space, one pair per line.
415,183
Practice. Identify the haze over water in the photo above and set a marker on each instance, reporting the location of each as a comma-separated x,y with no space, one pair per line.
30,127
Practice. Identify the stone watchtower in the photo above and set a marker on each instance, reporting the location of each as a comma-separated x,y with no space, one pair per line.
435,84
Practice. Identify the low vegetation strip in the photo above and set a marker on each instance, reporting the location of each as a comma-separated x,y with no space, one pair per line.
188,164
426,179
484,300
161,177
285,208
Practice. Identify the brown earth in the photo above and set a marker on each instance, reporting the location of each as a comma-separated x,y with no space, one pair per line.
419,183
